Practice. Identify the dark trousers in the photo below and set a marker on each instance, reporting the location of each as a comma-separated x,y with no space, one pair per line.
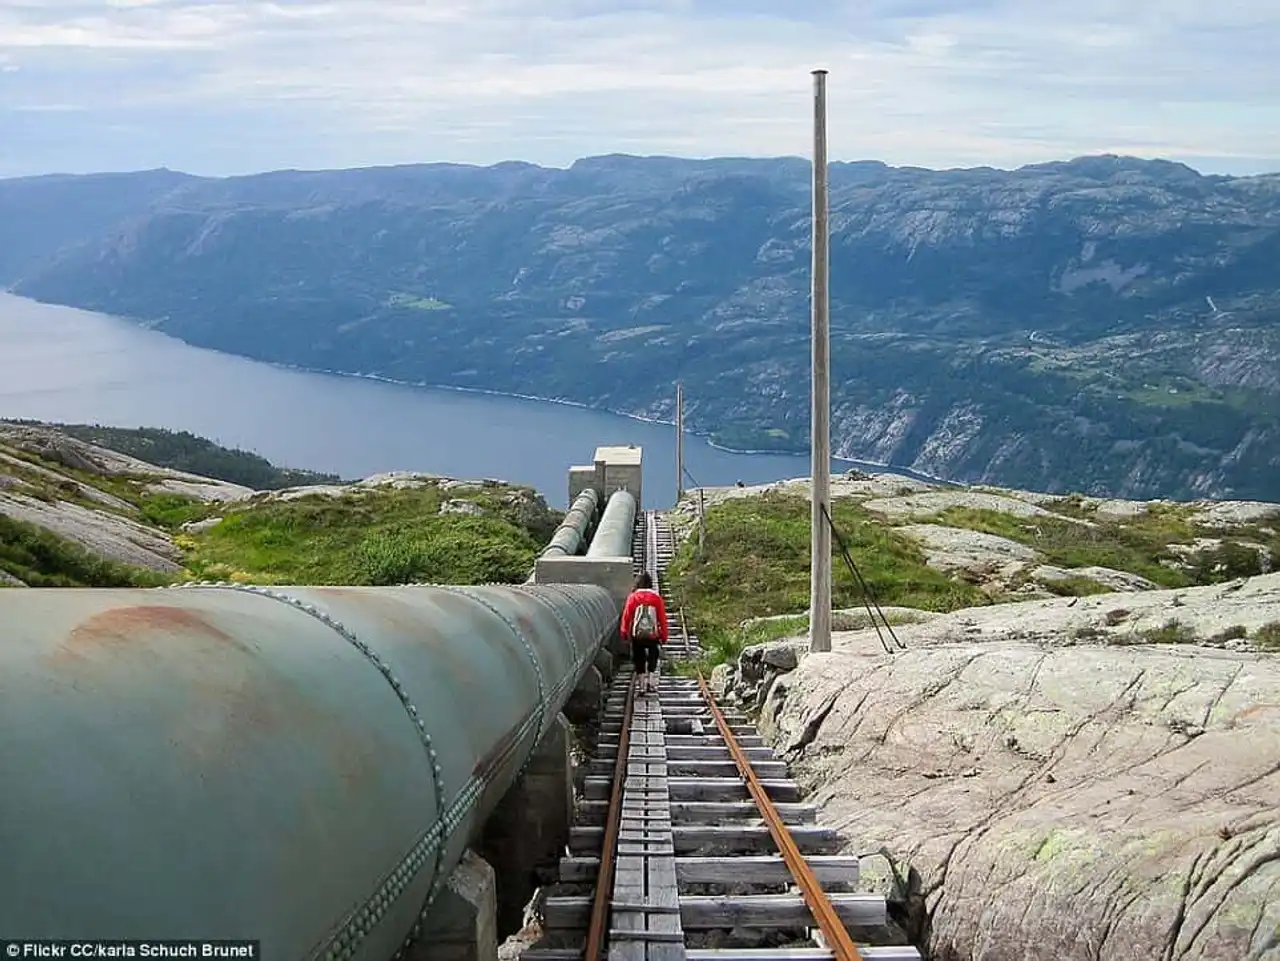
644,655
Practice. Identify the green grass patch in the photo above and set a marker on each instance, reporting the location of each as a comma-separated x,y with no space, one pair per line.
1182,394
723,645
1073,505
1232,633
171,511
1227,561
61,484
41,558
1267,637
756,564
1137,545
1171,631
1075,587
373,537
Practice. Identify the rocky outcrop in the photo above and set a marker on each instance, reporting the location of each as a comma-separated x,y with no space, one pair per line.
978,556
51,480
1049,779
109,535
1103,576
933,502
55,447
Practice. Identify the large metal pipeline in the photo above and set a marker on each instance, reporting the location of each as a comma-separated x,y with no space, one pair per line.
299,766
617,526
572,532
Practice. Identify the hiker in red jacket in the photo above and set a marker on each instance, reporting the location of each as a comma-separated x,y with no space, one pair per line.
644,624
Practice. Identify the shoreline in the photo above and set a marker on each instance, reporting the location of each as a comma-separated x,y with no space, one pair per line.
704,436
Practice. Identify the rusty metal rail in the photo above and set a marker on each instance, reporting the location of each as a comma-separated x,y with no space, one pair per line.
824,912
604,881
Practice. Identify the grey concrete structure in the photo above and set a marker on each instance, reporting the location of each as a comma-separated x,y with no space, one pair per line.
581,478
587,698
527,832
612,469
463,924
614,574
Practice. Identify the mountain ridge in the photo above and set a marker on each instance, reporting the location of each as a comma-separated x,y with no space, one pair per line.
1106,324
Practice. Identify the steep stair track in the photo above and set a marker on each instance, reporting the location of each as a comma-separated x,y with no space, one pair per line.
659,549
691,868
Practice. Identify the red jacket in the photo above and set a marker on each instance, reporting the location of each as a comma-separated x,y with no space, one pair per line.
645,596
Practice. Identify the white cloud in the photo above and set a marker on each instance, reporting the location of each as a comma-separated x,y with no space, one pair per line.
329,82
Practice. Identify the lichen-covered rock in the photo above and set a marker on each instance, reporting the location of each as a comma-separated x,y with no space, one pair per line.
721,679
199,527
109,535
1090,802
1104,576
469,508
933,502
57,448
983,557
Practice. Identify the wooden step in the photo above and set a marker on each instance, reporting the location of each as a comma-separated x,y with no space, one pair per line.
711,769
689,752
734,839
892,953
707,812
711,739
703,789
756,869
738,729
732,718
746,911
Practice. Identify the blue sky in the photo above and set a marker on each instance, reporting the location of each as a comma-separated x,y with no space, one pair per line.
234,86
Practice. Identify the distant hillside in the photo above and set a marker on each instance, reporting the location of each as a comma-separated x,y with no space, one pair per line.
185,451
75,514
1109,325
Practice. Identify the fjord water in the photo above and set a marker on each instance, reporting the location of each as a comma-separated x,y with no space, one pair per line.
74,366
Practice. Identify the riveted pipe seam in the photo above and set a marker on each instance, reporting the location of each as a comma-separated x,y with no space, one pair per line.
564,623
524,642
352,931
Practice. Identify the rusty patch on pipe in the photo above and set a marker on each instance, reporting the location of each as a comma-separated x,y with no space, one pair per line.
119,625
233,710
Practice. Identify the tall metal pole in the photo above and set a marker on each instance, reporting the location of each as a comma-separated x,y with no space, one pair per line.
820,541
679,442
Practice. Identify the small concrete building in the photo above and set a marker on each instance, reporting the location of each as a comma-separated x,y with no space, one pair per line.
613,469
